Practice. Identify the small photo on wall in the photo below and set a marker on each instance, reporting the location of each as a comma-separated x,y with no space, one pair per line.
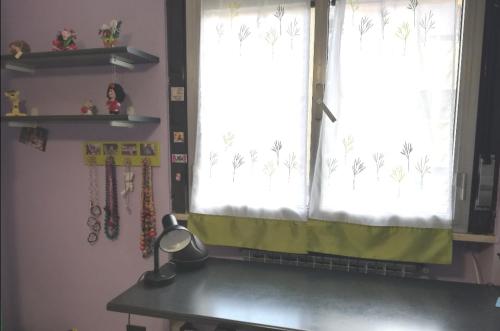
93,149
178,137
147,150
110,149
179,158
129,149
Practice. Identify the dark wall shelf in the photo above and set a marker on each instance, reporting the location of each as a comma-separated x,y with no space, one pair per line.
121,56
113,120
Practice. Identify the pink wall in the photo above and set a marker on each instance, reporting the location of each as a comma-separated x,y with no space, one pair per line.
52,279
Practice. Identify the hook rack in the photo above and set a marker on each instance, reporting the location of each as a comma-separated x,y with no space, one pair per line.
124,152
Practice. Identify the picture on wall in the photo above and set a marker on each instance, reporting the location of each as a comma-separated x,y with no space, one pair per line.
93,149
35,137
147,149
129,149
110,149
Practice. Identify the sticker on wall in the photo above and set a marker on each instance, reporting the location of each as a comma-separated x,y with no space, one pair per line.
178,177
123,152
179,158
177,93
178,137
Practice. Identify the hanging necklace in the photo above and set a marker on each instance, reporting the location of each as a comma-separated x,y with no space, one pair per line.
148,214
95,210
111,217
128,177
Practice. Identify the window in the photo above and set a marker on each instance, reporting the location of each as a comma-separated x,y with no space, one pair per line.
392,157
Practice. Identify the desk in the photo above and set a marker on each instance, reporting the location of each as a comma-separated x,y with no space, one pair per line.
280,297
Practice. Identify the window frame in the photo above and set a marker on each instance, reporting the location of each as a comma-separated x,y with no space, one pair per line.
467,105
468,79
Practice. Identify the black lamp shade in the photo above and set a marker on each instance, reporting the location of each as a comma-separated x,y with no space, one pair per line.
192,256
188,252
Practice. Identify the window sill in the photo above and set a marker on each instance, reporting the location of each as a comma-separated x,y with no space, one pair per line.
476,238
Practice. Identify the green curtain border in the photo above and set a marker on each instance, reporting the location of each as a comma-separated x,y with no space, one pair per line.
268,235
393,243
423,245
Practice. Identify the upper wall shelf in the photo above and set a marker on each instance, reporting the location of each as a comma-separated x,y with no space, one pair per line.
113,120
121,56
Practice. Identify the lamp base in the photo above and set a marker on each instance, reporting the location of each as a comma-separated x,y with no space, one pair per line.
164,277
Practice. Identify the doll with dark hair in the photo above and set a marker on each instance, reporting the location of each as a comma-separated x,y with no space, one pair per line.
115,95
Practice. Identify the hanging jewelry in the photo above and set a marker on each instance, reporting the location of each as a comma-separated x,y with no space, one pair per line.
128,177
95,210
148,214
111,217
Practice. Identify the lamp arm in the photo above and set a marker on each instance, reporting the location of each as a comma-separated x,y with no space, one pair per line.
156,254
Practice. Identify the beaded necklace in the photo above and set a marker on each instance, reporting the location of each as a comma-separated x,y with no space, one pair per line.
95,210
148,214
111,217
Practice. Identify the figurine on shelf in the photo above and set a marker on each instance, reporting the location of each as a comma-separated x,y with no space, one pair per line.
13,96
110,33
18,48
88,108
65,40
115,95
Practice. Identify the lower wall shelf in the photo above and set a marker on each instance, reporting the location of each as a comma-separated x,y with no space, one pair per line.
113,120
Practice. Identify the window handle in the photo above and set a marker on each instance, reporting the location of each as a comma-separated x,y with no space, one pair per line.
461,185
319,101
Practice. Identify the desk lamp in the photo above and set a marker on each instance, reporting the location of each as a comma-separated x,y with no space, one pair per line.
188,252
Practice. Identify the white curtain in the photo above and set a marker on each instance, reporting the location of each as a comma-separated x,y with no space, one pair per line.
391,82
251,147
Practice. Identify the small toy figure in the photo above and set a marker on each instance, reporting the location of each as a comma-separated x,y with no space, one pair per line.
13,96
18,48
88,108
115,95
110,33
65,40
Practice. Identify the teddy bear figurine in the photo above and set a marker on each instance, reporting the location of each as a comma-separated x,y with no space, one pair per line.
13,96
